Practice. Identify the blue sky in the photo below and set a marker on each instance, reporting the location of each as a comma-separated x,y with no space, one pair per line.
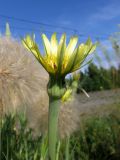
94,18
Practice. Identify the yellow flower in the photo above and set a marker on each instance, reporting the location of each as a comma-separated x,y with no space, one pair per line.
59,58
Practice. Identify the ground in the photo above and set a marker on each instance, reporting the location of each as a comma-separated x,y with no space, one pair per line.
101,102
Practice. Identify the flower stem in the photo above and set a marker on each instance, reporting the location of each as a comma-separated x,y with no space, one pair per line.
54,106
67,148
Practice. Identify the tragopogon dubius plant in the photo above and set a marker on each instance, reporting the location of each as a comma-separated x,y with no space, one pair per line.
59,60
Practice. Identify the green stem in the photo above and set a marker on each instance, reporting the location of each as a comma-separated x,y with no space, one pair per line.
54,106
67,148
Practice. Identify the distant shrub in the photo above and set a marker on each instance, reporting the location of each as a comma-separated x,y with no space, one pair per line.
95,79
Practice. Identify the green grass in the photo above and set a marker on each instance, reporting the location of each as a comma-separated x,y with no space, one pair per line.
97,139
18,144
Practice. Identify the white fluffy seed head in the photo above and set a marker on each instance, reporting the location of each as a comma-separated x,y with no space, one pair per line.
20,76
69,118
23,84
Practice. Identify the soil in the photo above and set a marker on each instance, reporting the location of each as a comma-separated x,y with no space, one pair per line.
98,101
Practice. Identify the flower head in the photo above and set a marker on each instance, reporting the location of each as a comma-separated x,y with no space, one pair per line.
59,58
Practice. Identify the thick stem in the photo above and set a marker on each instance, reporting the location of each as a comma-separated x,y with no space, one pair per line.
54,107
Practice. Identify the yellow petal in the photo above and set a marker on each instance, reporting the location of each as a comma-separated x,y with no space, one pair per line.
82,50
81,56
47,45
63,38
82,53
31,45
54,44
61,52
69,54
92,48
88,42
61,47
25,45
71,46
27,42
70,62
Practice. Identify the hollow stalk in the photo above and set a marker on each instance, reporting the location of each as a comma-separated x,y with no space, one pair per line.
55,91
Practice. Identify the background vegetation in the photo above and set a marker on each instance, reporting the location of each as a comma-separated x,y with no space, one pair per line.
98,138
95,78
